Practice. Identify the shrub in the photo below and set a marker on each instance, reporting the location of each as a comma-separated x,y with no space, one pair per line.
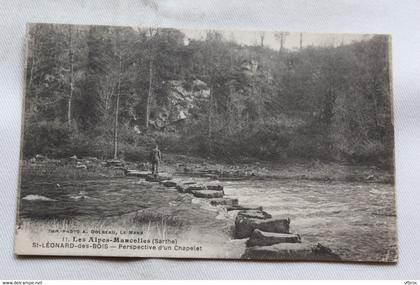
45,137
131,153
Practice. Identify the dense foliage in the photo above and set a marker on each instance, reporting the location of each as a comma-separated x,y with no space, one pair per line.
94,90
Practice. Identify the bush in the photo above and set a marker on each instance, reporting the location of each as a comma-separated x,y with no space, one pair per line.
45,137
131,153
172,142
309,143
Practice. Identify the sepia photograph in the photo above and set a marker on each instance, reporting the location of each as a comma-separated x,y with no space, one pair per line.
215,144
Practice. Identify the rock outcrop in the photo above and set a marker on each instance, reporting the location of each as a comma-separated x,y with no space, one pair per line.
181,98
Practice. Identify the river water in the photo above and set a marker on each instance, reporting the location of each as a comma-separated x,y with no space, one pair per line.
355,220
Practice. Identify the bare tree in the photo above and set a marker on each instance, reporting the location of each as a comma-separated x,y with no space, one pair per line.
301,40
152,33
149,93
262,35
34,46
281,37
71,77
108,86
117,106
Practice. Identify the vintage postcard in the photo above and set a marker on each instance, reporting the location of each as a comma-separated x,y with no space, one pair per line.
178,143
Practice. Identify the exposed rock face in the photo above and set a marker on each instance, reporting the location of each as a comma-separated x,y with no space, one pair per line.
208,194
245,226
260,238
249,68
224,202
255,214
181,97
291,251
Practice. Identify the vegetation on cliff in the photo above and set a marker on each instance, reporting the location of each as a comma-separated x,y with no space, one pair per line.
112,92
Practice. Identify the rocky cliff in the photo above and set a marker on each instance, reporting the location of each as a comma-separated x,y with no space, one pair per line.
180,98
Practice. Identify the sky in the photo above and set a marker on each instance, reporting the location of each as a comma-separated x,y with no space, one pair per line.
292,40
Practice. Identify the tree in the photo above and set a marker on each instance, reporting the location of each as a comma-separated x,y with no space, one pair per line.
93,83
300,40
71,76
262,35
281,37
117,106
153,33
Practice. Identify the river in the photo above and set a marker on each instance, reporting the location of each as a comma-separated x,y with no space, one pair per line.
356,220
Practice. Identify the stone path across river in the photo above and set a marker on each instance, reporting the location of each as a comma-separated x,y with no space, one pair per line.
267,237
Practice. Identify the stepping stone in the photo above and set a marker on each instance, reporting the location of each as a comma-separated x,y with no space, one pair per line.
291,251
260,238
81,166
245,226
141,174
114,162
194,187
182,186
188,188
255,214
214,186
120,168
212,176
159,178
238,207
208,193
224,202
169,183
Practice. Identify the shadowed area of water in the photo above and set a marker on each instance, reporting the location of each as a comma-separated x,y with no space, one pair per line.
93,198
101,198
356,220
97,199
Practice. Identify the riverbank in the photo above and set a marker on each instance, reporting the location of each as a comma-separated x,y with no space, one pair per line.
91,167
